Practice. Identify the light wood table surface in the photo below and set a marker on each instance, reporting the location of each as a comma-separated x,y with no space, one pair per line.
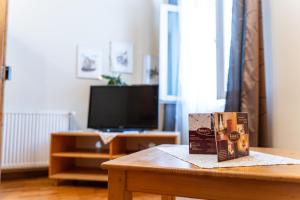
154,171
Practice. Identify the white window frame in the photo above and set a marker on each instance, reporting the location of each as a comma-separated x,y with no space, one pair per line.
163,53
221,93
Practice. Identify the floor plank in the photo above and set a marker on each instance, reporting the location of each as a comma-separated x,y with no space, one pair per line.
45,189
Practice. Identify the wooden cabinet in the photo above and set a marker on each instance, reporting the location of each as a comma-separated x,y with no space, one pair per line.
78,155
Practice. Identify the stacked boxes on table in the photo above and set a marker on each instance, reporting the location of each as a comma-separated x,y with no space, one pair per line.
223,133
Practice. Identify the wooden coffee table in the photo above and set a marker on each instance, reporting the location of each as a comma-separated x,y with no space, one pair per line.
154,171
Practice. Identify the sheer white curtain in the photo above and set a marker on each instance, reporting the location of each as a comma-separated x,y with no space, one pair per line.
197,70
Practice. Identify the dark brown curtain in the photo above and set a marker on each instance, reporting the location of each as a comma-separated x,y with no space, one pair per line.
246,90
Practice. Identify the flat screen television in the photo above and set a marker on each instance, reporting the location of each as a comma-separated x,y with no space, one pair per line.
117,108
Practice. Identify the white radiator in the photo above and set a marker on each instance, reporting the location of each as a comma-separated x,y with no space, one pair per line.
26,137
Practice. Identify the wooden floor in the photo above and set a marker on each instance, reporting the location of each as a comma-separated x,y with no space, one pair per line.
44,189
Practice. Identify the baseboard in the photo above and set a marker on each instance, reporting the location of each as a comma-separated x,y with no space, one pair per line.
12,174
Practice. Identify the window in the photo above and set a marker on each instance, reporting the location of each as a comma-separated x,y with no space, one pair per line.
169,49
169,52
224,14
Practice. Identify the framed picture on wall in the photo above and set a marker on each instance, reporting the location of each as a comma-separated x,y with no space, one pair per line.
121,57
89,62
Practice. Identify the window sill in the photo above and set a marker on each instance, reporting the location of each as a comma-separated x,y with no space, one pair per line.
219,106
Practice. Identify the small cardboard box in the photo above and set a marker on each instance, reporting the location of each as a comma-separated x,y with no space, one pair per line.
232,135
201,134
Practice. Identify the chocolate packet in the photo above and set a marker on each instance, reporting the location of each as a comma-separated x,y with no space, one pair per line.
231,135
201,134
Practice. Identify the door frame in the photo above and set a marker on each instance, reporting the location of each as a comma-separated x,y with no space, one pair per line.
3,32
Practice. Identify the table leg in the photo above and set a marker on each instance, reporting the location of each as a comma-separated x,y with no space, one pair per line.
117,186
167,197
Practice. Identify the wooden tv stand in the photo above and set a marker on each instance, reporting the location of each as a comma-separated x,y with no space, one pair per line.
78,155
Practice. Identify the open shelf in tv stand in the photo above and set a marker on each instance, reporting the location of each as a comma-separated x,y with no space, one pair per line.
76,155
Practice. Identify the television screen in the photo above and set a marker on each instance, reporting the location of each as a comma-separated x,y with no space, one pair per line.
123,107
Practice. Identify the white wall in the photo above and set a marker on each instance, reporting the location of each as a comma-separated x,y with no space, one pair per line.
283,59
41,48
